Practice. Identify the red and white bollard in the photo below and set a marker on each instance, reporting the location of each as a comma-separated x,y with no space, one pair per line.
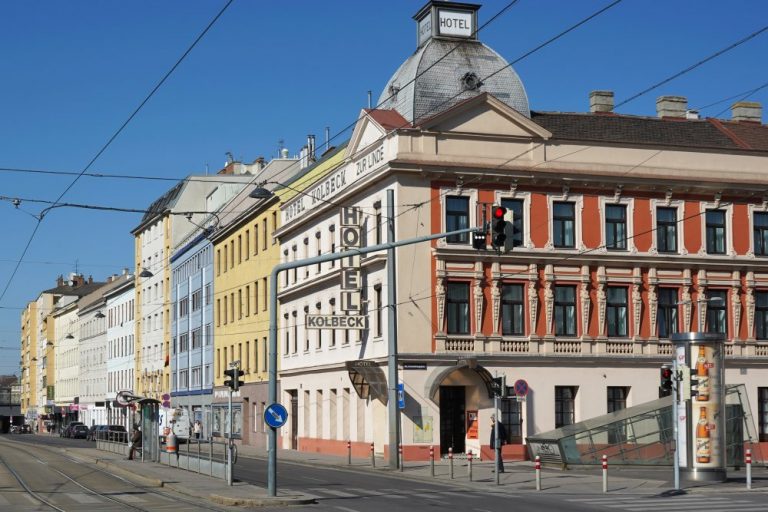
605,473
432,460
373,459
400,455
537,466
450,461
349,452
469,461
748,462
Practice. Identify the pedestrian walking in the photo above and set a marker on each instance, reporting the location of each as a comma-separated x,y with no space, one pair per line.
135,442
502,441
198,428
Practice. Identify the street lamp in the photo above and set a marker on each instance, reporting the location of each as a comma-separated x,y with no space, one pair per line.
145,273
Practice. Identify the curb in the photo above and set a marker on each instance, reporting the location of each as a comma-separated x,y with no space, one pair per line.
278,501
148,482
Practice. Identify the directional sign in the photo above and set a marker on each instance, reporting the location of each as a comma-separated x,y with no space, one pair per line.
521,387
275,415
401,396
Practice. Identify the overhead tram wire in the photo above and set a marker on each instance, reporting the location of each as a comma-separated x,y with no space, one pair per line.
112,139
741,96
692,67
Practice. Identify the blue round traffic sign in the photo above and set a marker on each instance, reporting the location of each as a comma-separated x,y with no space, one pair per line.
521,387
275,415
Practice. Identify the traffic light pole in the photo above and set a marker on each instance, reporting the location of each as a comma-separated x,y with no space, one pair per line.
229,442
288,265
676,427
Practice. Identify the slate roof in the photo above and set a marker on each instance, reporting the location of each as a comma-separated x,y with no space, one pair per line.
162,203
80,291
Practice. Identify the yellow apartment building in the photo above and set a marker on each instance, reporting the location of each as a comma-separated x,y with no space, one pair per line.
29,363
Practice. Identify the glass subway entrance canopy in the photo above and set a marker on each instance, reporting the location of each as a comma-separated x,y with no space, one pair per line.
642,435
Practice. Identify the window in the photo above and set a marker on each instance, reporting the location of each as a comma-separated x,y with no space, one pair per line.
715,231
287,347
377,220
183,342
264,354
512,418
196,375
616,227
512,309
197,338
616,311
264,234
197,300
564,225
516,207
264,294
761,233
218,262
378,323
239,249
716,314
240,304
208,294
247,244
666,229
565,405
617,401
274,227
565,310
667,316
255,239
762,413
761,315
183,307
457,217
247,301
208,335
224,261
457,308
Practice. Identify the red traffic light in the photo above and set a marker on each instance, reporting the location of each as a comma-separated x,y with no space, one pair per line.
499,212
666,373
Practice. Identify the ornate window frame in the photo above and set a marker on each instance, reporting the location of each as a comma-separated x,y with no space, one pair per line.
728,208
578,210
629,204
471,194
679,205
751,210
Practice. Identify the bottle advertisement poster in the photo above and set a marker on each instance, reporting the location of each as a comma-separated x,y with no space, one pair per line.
681,450
705,408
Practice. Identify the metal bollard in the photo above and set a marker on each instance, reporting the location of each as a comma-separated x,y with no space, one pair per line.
537,465
605,473
432,460
469,462
748,462
349,452
450,462
373,459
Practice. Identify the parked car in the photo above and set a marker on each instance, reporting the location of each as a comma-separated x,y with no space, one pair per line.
67,431
116,433
92,432
26,429
78,432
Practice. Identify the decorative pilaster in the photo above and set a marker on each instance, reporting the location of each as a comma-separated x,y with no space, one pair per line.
637,301
736,303
478,296
750,301
653,303
701,300
533,296
585,301
496,305
686,296
601,301
549,297
440,295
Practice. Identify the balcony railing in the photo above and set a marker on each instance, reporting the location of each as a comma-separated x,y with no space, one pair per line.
550,346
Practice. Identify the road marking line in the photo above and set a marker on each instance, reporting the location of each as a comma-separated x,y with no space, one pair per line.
334,492
685,506
428,496
345,509
83,498
128,497
729,509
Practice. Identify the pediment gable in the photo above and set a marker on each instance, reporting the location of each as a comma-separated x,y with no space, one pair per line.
373,125
485,115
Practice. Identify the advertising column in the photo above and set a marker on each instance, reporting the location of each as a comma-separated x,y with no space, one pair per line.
704,425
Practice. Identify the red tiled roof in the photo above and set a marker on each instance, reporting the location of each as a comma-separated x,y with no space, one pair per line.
388,119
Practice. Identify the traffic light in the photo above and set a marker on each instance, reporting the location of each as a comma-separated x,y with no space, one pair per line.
234,381
499,386
478,240
665,383
502,229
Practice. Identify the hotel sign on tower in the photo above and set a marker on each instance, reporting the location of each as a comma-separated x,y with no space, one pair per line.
446,19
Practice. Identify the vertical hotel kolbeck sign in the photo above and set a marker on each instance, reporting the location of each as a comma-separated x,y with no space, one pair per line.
351,234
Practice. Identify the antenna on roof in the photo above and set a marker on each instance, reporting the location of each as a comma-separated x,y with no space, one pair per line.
369,99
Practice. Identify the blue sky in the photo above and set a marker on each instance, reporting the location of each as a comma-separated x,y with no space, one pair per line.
72,72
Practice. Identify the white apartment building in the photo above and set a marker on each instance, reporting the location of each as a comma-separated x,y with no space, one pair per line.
120,367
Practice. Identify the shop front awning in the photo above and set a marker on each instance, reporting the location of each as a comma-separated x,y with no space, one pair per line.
432,385
368,379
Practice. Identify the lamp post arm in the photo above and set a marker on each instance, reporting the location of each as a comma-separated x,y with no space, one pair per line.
272,389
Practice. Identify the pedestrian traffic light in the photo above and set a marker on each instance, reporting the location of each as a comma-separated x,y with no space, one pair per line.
234,381
499,386
665,383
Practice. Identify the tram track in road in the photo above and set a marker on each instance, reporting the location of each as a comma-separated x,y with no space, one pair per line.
105,495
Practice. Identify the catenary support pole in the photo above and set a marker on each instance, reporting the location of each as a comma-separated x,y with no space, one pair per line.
392,405
273,283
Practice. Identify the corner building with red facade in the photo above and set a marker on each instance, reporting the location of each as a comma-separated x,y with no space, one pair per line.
627,229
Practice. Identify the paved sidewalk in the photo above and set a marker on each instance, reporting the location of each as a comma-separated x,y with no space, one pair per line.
186,482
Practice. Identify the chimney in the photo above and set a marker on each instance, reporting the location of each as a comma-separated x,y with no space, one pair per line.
747,111
601,101
671,106
60,280
259,163
125,271
311,148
